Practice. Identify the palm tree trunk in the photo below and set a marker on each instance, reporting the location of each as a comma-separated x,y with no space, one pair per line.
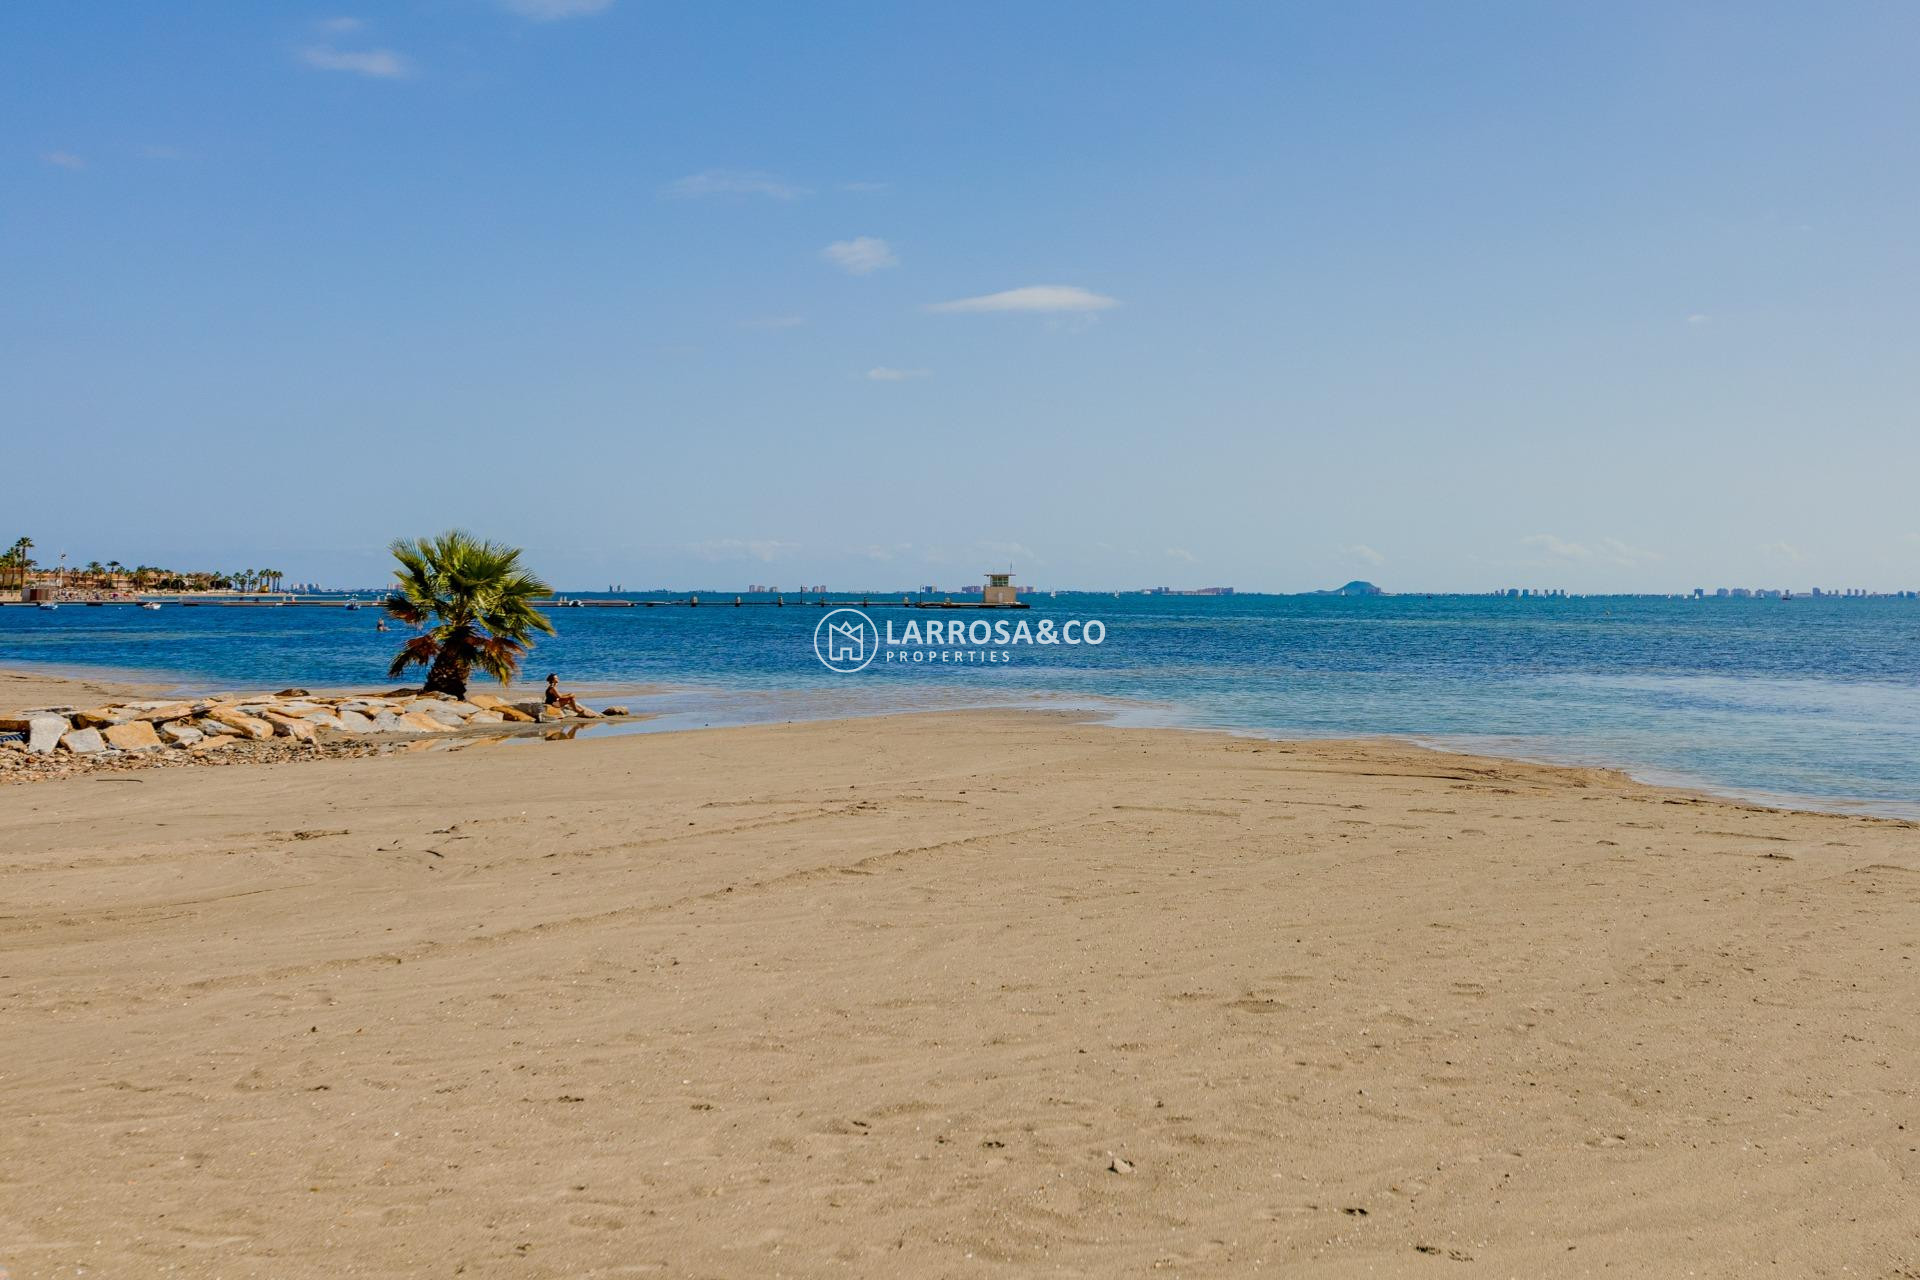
448,676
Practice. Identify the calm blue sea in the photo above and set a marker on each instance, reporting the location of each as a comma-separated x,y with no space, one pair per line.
1810,700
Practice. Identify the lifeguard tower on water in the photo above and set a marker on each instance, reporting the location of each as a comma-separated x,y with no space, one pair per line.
999,590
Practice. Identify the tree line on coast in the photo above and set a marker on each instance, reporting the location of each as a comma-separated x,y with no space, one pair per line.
18,569
470,601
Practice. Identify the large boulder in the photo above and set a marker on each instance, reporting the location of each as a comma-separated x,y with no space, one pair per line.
101,717
180,733
216,742
291,727
251,726
352,722
486,717
421,722
513,715
83,742
158,711
134,735
487,702
44,731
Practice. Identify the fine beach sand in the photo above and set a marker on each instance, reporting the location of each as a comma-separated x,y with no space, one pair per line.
949,995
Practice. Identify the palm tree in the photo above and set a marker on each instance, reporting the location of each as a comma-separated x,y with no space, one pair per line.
19,562
481,604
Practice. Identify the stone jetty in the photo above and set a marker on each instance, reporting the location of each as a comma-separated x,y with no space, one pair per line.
202,726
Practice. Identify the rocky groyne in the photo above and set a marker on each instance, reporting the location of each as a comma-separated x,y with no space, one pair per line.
256,725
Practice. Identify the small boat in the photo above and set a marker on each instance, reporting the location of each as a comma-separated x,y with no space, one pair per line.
353,604
47,604
150,604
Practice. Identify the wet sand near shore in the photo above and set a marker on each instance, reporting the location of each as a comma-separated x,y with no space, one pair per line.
948,995
23,688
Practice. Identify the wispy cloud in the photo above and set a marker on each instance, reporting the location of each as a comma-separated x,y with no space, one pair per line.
553,10
64,160
774,322
381,64
1605,551
1361,551
734,182
866,188
862,255
1556,546
1033,297
339,26
1183,555
1011,551
882,373
1786,551
1698,317
765,550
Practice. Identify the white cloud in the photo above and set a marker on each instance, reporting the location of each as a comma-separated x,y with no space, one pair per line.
1181,553
1698,317
774,322
882,373
1033,297
866,188
1605,551
1786,551
766,550
64,160
1559,547
1622,553
340,25
1011,551
382,64
1361,551
551,10
862,255
733,182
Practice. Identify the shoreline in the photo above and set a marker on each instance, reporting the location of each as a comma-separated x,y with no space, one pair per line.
21,683
999,992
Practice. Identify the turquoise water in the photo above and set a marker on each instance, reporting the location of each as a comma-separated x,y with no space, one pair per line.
1814,701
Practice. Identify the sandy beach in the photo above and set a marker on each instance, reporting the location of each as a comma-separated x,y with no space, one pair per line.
949,995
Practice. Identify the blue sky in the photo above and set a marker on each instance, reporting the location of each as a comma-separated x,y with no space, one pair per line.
1449,297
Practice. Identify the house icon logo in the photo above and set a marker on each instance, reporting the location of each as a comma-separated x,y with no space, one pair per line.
846,640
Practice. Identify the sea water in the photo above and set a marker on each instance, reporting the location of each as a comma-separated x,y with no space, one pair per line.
1809,701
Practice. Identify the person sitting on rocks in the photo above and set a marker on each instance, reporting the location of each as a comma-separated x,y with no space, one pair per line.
564,701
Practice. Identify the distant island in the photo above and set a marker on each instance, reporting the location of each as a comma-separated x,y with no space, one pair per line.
1354,588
